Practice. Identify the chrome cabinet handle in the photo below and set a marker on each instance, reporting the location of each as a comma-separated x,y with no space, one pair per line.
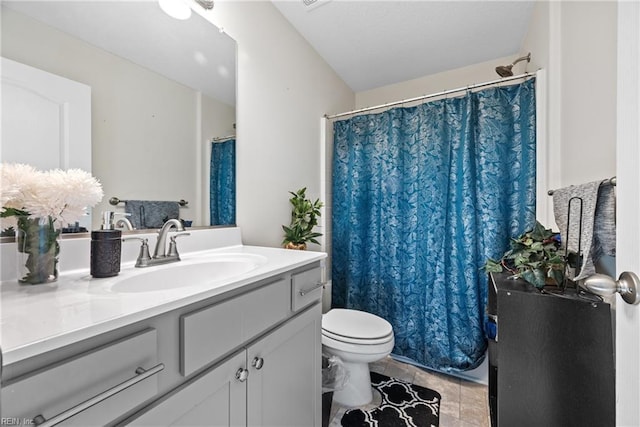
242,375
141,375
257,362
306,291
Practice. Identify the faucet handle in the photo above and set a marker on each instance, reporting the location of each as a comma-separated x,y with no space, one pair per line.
143,257
173,238
173,247
123,222
142,239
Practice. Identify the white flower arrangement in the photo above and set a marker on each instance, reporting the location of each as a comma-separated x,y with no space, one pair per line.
61,195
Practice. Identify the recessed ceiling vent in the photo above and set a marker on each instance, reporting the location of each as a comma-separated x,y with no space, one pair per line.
314,4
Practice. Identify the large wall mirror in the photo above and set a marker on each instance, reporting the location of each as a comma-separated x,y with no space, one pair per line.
161,90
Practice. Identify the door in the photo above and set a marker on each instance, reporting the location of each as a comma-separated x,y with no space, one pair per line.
46,120
628,211
214,398
284,387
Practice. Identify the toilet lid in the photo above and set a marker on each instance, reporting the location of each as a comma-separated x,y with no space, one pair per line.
355,324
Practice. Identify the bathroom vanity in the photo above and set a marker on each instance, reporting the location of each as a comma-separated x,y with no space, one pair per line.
228,336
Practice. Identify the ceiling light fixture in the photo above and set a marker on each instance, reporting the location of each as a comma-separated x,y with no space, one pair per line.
177,9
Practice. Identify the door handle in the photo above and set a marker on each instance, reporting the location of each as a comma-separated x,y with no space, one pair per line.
626,285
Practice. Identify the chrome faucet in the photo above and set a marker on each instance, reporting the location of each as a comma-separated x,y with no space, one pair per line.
161,244
160,254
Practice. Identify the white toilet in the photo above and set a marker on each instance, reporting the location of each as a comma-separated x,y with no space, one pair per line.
357,338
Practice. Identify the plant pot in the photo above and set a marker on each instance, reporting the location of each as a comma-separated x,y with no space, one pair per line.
298,246
38,249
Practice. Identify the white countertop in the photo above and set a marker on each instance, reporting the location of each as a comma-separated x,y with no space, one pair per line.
38,318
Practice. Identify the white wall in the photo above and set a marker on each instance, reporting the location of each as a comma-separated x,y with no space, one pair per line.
537,38
284,88
576,42
538,43
145,138
451,79
588,91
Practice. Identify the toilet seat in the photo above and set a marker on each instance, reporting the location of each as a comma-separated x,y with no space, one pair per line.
352,340
382,349
356,325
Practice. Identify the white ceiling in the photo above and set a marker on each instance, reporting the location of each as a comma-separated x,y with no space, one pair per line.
368,43
376,43
191,52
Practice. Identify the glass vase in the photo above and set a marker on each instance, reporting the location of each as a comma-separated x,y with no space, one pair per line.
38,249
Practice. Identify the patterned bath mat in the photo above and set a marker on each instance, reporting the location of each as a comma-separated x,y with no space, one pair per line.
403,405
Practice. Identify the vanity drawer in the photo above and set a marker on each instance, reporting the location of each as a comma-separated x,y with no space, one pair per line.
306,288
211,332
61,388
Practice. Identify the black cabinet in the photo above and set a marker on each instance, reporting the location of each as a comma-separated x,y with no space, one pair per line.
552,363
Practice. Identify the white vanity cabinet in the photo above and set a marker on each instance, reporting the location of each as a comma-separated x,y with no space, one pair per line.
272,379
248,355
273,382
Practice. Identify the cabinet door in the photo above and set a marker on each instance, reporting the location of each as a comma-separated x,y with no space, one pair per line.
284,387
214,398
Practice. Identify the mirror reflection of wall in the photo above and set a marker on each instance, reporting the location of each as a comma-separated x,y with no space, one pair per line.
161,89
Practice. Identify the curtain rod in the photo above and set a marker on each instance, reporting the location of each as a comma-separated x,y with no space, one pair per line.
433,95
222,138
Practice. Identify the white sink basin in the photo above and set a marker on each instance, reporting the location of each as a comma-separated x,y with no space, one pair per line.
188,273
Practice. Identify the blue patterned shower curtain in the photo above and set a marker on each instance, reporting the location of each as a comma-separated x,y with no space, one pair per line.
422,196
222,187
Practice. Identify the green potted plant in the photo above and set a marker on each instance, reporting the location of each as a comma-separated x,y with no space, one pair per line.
533,257
304,216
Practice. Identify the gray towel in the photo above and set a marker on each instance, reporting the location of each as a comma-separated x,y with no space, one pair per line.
598,222
605,225
151,213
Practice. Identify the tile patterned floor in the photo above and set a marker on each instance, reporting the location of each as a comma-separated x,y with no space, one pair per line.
464,403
